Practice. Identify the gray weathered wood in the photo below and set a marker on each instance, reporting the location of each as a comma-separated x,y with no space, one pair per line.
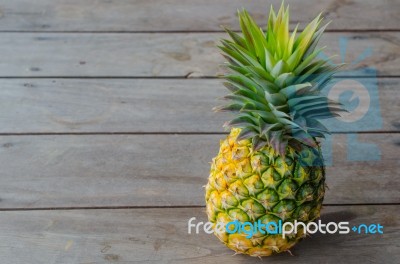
161,15
75,171
178,54
161,236
162,170
135,105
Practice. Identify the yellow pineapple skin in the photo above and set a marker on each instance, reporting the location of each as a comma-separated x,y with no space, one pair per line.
248,186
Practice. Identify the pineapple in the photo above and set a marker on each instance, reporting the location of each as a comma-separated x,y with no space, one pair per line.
270,167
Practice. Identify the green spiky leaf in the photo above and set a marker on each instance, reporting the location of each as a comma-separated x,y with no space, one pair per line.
276,80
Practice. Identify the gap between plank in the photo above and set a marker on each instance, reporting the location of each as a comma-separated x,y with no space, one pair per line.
163,133
182,31
162,207
183,77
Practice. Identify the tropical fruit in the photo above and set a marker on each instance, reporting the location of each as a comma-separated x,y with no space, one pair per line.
270,168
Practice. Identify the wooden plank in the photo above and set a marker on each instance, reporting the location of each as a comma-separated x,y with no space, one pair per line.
135,105
178,54
163,170
174,15
161,236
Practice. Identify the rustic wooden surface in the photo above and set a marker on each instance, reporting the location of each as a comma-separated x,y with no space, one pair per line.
137,105
185,15
161,170
162,54
160,236
106,130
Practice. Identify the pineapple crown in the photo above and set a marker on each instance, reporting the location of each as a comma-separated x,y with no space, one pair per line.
275,80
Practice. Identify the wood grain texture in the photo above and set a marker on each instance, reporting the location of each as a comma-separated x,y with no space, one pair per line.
185,15
87,40
164,170
163,55
161,236
138,105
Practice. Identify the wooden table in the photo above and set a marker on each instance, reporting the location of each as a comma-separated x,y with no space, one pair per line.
107,130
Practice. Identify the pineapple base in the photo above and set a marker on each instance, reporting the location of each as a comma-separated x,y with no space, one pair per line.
251,186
